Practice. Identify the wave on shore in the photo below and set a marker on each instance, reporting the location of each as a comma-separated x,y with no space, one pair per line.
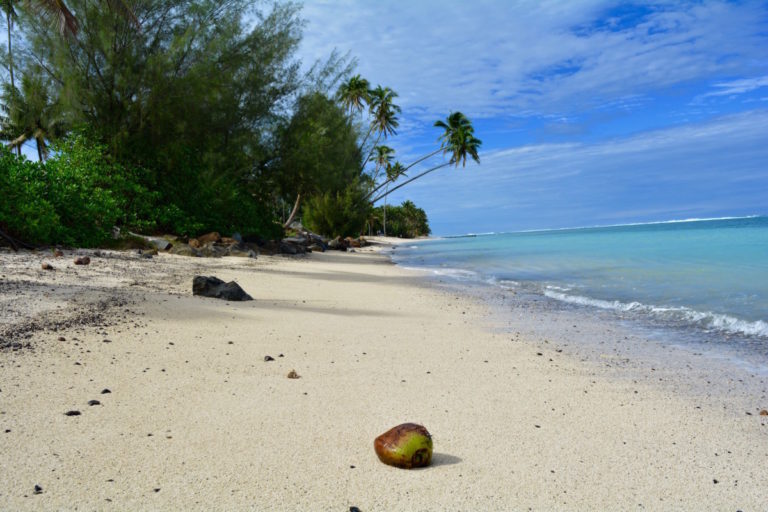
703,319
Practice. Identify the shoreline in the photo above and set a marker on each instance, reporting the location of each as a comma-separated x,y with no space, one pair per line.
518,421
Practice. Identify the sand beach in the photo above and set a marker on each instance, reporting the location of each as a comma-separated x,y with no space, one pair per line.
196,419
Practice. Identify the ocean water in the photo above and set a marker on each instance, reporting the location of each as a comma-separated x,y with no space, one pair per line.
695,279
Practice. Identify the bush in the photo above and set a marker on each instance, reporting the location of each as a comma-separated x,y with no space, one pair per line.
75,198
343,213
25,213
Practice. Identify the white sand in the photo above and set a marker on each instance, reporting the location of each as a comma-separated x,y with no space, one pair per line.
375,347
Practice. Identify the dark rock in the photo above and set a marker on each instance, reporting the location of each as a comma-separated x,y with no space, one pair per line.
296,240
105,391
38,489
62,338
242,250
72,413
292,248
209,286
293,375
82,260
211,250
354,509
183,249
106,341
763,413
47,266
93,402
268,358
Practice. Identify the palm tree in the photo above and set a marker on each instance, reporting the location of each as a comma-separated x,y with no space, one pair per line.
354,94
384,112
383,159
66,22
455,122
31,115
10,16
458,141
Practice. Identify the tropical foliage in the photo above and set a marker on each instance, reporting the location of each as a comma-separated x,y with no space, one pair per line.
191,115
404,221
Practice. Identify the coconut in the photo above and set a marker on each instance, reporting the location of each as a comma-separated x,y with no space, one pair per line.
405,446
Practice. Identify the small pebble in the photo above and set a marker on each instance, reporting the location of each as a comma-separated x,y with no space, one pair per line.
354,509
38,489
62,338
106,341
47,266
763,413
83,260
280,355
293,375
72,413
105,391
268,358
156,489
94,402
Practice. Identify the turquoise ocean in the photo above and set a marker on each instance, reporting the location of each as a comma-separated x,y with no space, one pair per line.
692,279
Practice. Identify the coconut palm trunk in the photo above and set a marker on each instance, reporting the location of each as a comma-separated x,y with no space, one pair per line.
389,181
293,212
388,191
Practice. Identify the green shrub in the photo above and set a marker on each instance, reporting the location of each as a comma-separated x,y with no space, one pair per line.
343,213
75,198
25,211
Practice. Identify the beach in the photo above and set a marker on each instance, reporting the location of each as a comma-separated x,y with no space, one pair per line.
196,419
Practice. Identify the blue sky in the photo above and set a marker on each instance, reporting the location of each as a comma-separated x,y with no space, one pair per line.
591,112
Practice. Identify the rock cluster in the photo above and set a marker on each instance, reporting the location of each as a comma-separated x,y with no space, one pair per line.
213,245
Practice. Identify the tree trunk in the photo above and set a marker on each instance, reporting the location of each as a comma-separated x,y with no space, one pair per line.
293,212
10,240
385,194
39,151
384,183
10,60
385,213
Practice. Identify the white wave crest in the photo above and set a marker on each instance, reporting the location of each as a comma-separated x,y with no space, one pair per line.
704,319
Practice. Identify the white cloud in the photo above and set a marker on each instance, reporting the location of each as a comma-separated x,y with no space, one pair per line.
491,58
739,86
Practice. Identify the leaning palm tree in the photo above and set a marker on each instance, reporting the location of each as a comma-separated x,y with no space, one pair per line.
458,141
455,122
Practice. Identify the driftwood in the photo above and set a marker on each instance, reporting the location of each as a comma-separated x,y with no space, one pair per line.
10,240
15,242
